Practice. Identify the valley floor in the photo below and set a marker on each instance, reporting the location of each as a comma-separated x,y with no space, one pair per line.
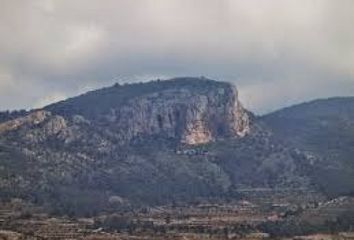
273,215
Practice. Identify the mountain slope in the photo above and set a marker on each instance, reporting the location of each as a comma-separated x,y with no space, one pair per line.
323,128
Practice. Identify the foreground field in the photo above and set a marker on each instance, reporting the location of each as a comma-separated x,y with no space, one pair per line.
274,215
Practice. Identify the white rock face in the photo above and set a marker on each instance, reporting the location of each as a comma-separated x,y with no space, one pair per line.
31,119
192,117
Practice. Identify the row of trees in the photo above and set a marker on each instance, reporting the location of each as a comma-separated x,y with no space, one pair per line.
8,115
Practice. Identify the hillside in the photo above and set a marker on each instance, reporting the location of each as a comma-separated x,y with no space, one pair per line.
322,128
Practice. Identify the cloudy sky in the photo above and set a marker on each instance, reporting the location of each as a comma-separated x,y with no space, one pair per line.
278,52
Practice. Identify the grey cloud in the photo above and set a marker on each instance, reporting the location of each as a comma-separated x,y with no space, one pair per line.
278,52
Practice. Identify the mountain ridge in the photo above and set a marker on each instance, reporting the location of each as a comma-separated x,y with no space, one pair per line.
323,128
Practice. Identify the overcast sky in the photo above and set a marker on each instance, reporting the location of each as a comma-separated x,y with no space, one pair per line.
278,52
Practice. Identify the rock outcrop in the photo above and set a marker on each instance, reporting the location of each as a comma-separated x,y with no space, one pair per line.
30,120
189,116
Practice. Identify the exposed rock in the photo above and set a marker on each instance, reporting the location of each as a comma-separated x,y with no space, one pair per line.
31,119
191,117
53,126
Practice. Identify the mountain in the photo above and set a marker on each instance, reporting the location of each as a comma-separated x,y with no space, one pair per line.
323,129
148,143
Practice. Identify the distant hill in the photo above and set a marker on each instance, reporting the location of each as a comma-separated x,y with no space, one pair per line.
323,128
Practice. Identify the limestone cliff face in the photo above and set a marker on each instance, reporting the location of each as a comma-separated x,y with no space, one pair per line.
188,115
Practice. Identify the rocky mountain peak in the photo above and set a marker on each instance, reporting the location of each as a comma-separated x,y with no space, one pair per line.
190,110
218,113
